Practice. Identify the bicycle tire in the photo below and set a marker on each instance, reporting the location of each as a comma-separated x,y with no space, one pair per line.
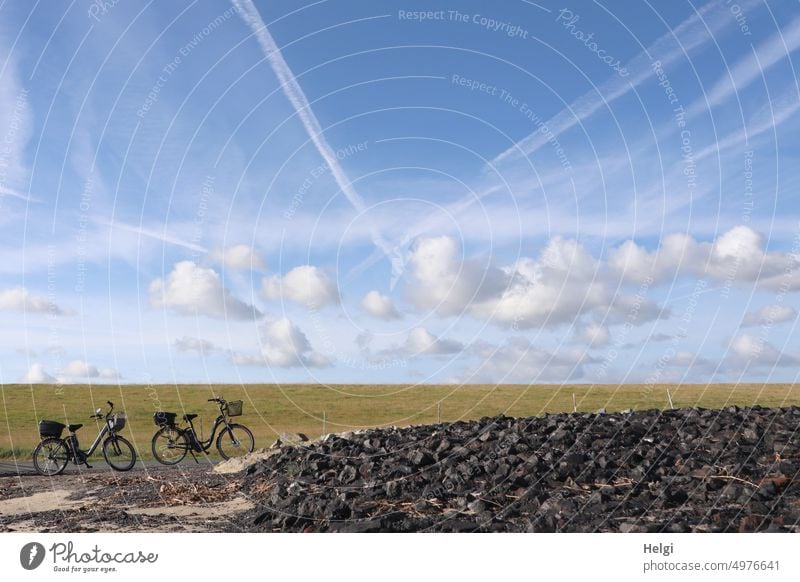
121,451
231,440
56,456
175,440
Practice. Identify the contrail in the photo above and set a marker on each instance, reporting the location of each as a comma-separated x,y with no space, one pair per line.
5,191
777,110
689,34
291,88
750,68
692,32
157,235
422,227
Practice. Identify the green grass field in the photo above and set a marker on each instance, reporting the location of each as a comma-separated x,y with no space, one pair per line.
271,409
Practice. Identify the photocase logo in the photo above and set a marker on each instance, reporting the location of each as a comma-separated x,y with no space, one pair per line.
31,555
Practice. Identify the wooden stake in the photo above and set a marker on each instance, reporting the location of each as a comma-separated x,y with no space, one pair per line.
324,423
574,403
669,397
438,413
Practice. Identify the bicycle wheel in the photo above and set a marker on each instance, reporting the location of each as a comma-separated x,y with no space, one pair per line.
50,457
119,453
235,440
169,445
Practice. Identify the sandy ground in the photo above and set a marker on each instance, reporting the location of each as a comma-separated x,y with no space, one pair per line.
159,499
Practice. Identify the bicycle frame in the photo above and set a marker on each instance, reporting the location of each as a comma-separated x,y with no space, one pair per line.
205,445
103,432
182,438
51,456
106,430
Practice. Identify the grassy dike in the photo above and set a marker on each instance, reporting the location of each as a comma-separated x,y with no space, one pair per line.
271,409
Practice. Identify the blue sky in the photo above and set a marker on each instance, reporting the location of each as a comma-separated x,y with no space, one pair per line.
368,192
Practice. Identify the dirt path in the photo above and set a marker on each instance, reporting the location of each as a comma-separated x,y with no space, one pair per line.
163,499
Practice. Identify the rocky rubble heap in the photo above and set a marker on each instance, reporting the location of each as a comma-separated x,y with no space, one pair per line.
673,471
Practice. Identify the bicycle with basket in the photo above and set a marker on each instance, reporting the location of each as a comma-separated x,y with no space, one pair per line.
53,453
171,442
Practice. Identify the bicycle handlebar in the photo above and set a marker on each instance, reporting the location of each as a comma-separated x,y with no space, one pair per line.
110,410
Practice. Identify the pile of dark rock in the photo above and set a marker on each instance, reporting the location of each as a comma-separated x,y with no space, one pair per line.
683,470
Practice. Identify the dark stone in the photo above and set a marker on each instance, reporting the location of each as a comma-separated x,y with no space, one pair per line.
767,490
647,471
422,458
674,496
348,474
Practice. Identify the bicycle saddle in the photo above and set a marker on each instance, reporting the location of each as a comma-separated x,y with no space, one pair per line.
74,427
188,417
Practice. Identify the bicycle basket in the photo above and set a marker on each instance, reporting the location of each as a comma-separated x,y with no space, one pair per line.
51,428
164,418
235,408
117,422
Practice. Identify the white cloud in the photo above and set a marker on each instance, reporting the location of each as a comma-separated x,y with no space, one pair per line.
194,344
283,345
593,335
559,287
681,365
74,371
36,374
693,361
239,257
738,256
421,341
769,315
519,361
683,358
379,306
80,369
752,351
20,299
193,290
637,264
306,285
443,281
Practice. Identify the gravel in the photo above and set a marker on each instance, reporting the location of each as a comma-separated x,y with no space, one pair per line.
683,470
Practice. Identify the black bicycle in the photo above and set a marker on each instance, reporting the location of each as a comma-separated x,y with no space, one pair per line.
51,456
171,442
